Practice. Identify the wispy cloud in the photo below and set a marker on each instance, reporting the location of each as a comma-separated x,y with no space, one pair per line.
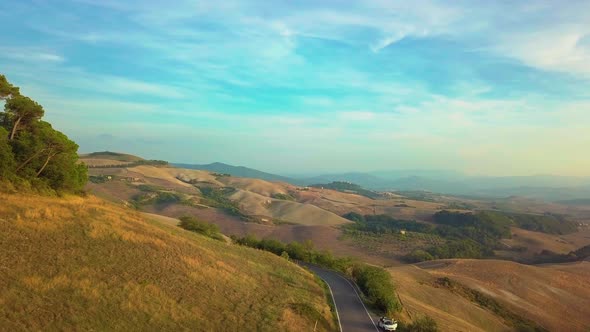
425,78
30,55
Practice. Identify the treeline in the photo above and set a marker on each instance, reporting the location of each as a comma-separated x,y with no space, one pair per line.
33,155
547,256
466,235
160,163
374,282
383,224
546,223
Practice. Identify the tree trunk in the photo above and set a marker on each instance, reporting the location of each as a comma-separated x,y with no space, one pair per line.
15,127
29,160
49,156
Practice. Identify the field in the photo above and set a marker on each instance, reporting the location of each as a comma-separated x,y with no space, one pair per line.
290,213
83,263
554,296
276,210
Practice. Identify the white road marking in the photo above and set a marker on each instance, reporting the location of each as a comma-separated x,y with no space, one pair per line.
359,297
333,301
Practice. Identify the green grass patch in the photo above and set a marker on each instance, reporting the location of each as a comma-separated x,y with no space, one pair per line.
194,225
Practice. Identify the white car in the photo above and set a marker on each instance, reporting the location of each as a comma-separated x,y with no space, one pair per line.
387,324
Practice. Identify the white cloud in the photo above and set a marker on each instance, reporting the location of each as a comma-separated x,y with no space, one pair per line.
30,54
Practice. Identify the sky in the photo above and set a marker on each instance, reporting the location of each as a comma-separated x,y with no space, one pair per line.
482,87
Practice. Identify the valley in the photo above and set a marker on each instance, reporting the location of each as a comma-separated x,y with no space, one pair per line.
285,212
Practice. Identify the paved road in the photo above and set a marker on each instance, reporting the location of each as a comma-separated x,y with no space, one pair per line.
351,311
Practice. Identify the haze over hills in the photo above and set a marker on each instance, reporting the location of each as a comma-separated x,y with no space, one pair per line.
544,187
239,171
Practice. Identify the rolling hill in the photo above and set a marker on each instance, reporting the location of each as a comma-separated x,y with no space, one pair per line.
239,171
544,187
78,263
124,157
556,297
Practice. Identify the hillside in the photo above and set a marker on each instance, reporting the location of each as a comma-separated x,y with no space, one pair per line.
556,297
239,205
123,157
239,171
82,263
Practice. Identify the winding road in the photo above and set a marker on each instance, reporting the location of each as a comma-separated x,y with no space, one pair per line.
352,313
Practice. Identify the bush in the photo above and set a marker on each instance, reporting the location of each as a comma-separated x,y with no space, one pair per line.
194,225
284,197
418,255
376,283
373,281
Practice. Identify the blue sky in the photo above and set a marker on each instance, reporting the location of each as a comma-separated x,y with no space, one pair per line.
499,88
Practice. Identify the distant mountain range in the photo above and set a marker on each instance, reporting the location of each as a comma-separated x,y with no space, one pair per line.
544,187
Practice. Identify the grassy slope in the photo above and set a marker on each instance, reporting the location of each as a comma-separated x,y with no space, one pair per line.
86,264
544,294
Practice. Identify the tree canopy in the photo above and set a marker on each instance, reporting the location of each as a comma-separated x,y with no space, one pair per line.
32,152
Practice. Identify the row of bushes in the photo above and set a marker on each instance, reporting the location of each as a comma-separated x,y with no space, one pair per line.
376,284
546,223
133,164
194,225
548,256
374,281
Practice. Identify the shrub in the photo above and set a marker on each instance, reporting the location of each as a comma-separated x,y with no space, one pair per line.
376,283
284,197
418,255
194,225
373,281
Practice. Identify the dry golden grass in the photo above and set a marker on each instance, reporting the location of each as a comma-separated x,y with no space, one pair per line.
170,174
289,211
557,297
451,311
261,187
83,264
535,242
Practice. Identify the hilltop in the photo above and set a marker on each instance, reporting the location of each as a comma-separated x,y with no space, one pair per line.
123,157
239,171
83,263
